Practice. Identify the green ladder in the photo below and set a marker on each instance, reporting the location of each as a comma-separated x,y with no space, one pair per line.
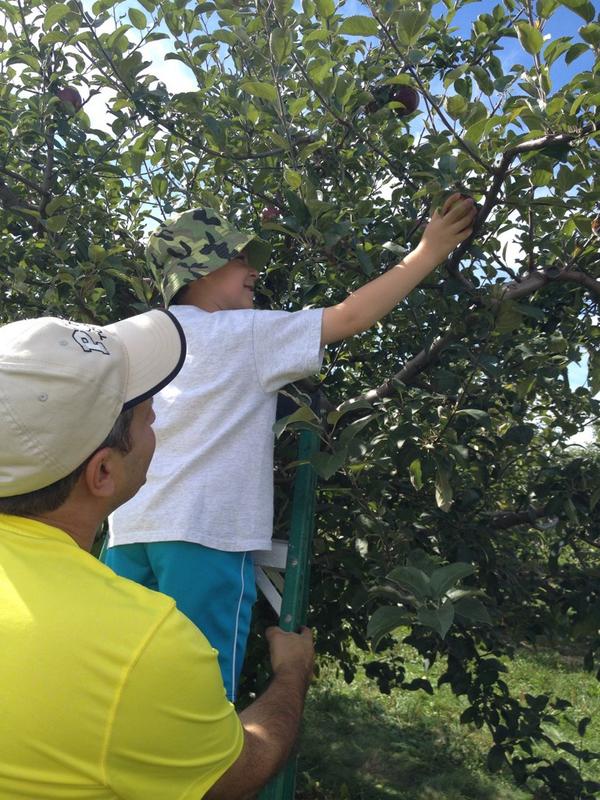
294,601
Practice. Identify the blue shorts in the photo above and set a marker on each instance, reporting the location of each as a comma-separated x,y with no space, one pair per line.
215,589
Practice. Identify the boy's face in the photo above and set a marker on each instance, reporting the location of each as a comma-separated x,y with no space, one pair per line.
231,286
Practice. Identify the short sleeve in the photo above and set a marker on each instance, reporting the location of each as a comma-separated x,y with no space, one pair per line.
287,346
174,732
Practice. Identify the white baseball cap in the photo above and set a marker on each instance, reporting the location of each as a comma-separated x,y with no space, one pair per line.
63,384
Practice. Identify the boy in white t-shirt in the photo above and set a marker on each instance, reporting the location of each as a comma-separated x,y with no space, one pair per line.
208,500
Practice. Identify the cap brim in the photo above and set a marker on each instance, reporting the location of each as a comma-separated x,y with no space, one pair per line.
155,346
257,250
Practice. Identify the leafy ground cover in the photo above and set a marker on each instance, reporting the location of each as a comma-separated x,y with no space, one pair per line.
361,745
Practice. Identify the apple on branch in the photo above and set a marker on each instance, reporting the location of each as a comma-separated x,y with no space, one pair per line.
70,95
408,96
269,214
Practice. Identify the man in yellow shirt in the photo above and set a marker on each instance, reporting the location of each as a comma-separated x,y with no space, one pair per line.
107,691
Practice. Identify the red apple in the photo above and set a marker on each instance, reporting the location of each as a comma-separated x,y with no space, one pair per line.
385,93
269,214
462,196
409,98
70,95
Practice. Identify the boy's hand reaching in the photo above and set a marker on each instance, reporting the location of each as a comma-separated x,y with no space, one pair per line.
361,309
448,227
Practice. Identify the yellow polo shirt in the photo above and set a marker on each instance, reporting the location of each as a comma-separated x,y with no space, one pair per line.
106,690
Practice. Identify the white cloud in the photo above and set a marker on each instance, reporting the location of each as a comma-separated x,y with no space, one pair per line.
175,75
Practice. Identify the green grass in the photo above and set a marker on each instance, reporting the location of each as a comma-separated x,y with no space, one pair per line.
358,744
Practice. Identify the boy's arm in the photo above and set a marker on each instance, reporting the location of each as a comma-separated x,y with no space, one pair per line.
374,300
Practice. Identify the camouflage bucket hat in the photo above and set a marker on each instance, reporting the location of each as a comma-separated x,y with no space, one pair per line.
195,243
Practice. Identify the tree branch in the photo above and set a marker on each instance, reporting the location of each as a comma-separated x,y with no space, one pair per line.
508,519
32,185
411,369
10,199
512,291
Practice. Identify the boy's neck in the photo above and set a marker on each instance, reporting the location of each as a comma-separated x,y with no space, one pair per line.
195,295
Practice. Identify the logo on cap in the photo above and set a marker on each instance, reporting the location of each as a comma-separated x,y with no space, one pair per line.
89,345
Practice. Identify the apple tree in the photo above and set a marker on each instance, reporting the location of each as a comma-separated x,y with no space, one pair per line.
451,513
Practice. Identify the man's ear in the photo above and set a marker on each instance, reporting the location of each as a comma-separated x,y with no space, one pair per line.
100,474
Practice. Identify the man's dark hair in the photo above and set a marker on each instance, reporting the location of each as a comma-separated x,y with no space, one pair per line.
52,497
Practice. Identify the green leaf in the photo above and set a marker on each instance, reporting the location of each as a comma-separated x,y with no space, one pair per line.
438,619
103,5
327,464
334,416
281,44
56,224
496,758
444,578
359,26
583,8
472,609
443,489
138,18
556,48
292,178
531,39
96,253
509,318
413,579
571,512
297,105
385,620
55,13
160,185
545,8
519,434
477,414
416,476
266,91
576,51
353,429
325,8
591,34
26,58
541,177
321,69
484,81
456,105
303,414
410,25
56,204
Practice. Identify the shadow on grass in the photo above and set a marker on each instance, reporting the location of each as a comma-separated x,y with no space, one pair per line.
351,750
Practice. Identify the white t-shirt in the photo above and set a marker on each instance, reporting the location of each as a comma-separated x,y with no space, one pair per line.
211,478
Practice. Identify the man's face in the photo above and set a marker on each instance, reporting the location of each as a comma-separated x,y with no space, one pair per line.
137,460
231,286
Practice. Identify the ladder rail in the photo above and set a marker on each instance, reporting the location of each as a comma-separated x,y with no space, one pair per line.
294,602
